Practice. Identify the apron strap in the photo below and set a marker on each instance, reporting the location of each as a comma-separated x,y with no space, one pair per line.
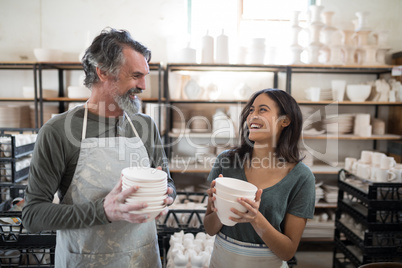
132,125
84,124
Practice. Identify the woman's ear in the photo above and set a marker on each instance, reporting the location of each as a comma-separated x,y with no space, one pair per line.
101,74
286,121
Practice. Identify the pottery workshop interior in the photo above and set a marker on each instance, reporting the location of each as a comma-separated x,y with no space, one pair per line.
335,65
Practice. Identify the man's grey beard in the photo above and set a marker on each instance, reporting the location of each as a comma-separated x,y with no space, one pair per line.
131,107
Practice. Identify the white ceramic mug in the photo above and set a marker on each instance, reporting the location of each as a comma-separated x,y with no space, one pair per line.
397,170
366,156
363,170
362,119
315,93
376,158
373,172
387,162
338,89
384,175
364,131
349,162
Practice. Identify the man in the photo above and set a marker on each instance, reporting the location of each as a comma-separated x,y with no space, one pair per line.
80,154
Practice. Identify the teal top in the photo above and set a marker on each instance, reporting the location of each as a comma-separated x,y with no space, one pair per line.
294,194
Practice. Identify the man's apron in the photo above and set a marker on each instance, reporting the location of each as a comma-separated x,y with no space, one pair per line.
117,244
232,253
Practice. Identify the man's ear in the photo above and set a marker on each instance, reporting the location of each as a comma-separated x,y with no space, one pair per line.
101,74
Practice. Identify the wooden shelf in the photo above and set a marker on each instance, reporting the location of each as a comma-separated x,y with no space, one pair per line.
185,167
16,99
327,102
204,135
351,137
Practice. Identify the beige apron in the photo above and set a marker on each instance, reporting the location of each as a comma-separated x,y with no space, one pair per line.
229,252
117,244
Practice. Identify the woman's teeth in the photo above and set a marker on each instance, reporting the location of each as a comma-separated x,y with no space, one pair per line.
255,126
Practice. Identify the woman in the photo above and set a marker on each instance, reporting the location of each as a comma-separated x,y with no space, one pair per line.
268,234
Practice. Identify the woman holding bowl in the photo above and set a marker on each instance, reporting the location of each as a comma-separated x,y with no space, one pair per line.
269,232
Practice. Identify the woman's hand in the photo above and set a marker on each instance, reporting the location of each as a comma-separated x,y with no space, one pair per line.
211,191
211,197
252,209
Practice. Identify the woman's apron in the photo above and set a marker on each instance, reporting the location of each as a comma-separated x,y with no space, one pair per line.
229,252
117,244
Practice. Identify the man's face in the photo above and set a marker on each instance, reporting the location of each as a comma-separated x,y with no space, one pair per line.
130,81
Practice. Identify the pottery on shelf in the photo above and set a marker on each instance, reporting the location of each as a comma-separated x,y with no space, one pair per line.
294,21
381,38
296,54
381,53
348,38
362,21
328,30
370,55
362,38
314,30
315,14
313,52
349,55
335,57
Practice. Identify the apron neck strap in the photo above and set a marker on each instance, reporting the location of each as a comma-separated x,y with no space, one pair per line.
84,124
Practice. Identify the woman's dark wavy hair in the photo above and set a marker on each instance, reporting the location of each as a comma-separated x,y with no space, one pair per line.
287,145
106,52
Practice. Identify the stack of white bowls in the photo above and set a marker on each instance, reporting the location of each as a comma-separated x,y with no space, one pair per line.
339,124
228,190
152,185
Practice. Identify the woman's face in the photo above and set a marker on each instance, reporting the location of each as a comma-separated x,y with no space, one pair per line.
263,121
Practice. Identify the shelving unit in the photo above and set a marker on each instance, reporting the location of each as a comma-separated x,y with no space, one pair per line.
368,222
63,67
186,169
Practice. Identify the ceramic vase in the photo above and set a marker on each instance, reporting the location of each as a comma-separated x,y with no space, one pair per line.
295,35
315,14
335,57
362,38
313,54
314,34
296,54
328,30
348,38
349,55
294,21
362,21
381,53
370,55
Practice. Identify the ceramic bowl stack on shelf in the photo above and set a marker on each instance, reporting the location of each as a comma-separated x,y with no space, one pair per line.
152,189
228,191
339,124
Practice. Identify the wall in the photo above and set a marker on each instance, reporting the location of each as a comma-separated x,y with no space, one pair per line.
25,25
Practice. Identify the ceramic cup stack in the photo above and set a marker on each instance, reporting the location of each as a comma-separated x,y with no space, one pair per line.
362,125
152,185
228,190
374,166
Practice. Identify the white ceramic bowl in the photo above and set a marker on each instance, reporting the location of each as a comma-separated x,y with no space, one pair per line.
150,203
144,174
358,92
232,197
49,55
147,198
144,184
223,207
235,186
152,213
